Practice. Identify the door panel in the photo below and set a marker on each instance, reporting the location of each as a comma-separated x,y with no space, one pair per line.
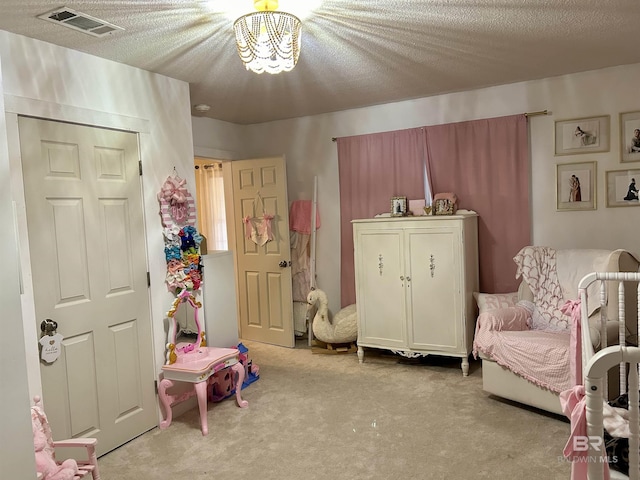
380,274
86,240
70,259
77,364
433,267
265,292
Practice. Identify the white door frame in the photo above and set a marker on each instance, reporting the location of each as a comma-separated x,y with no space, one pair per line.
15,106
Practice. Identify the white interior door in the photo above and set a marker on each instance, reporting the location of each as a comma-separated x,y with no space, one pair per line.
86,240
264,271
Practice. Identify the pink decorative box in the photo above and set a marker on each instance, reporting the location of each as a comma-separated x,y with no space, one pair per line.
417,206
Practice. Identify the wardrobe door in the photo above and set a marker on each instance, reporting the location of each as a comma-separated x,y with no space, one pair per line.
380,289
433,296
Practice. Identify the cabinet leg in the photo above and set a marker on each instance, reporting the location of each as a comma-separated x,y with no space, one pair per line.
465,367
360,354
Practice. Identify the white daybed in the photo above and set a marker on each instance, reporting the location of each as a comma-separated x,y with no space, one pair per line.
498,376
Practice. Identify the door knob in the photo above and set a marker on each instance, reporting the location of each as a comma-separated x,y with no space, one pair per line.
48,326
284,263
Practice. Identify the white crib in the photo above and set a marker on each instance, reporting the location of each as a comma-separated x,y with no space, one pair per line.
597,364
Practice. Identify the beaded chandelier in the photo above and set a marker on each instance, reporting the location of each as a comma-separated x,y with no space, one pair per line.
267,40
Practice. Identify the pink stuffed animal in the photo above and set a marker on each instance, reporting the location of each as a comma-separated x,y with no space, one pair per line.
45,463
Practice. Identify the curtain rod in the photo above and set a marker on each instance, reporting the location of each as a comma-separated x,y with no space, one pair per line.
535,114
208,165
526,114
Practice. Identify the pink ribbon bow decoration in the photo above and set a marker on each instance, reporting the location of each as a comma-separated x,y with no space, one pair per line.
175,193
574,406
572,308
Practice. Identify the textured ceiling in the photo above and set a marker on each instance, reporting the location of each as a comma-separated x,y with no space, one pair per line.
354,53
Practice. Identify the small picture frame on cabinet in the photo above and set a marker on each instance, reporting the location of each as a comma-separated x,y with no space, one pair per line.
443,206
445,203
398,206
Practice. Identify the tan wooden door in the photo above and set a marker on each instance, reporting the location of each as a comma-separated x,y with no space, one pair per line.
86,239
264,274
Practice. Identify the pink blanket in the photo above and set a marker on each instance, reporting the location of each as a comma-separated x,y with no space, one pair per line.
300,216
540,357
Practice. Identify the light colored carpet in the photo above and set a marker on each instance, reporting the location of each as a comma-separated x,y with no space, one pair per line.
314,416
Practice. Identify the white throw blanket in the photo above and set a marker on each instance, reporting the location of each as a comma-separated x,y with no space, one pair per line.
537,267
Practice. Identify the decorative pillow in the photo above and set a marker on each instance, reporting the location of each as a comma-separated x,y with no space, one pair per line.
514,318
491,301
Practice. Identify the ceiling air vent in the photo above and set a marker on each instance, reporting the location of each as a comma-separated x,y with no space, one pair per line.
80,21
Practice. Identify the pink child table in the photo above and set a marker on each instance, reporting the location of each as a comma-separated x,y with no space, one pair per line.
197,367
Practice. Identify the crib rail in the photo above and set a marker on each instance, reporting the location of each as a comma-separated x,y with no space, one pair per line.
596,371
622,279
597,364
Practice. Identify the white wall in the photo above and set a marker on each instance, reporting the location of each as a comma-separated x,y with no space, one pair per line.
306,143
44,80
218,139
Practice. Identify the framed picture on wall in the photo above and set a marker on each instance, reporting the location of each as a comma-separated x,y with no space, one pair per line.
398,206
630,137
582,135
622,188
576,186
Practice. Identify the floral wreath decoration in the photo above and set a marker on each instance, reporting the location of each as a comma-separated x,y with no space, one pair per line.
181,238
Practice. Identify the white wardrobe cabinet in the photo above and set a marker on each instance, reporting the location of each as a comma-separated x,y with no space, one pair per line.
415,278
